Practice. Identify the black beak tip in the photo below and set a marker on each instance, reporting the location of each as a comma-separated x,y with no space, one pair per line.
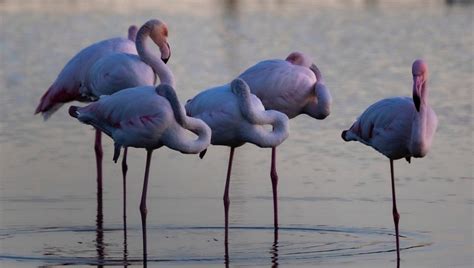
165,60
416,101
201,154
343,135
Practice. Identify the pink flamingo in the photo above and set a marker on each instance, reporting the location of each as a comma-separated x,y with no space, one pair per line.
149,118
399,127
236,116
293,86
104,68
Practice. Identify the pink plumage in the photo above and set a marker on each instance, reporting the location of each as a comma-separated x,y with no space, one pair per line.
399,127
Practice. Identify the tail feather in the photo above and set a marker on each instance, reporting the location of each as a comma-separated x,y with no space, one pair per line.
52,100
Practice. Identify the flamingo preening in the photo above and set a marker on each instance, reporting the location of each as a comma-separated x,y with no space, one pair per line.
399,127
104,68
236,116
292,86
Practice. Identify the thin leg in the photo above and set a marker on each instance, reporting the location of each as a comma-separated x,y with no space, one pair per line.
143,209
98,159
274,177
124,173
226,195
396,216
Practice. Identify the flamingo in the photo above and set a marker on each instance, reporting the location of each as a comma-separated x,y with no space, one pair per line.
292,86
104,68
149,118
236,116
399,127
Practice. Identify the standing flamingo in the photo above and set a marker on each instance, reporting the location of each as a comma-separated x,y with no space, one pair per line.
145,117
399,127
104,68
293,86
236,116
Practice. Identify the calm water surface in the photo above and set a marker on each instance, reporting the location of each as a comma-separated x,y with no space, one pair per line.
335,202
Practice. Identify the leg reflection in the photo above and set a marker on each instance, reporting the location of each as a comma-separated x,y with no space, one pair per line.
99,231
125,246
274,250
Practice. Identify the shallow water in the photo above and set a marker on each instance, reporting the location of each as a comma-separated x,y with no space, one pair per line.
334,197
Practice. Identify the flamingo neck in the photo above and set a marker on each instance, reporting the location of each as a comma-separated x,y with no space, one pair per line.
419,140
319,105
258,135
158,66
197,126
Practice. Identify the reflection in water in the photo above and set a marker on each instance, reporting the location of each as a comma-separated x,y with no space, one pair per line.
125,246
99,239
274,250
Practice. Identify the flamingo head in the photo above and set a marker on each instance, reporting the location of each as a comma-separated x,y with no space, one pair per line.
298,58
420,75
132,32
159,35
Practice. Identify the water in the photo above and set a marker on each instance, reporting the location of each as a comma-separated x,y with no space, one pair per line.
334,203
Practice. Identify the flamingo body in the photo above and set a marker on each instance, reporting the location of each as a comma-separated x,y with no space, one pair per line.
67,85
290,86
106,67
230,113
387,127
139,117
117,71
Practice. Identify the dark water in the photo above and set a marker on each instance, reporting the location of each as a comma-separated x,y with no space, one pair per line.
335,203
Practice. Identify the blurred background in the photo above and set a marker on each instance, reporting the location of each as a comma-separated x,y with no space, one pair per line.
335,200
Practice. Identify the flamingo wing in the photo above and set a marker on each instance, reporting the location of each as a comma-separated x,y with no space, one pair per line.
132,117
385,126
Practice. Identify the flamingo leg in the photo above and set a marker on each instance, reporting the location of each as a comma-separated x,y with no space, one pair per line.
396,216
98,159
226,195
124,173
274,177
143,209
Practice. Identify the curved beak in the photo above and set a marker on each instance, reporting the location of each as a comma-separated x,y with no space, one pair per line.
165,60
417,85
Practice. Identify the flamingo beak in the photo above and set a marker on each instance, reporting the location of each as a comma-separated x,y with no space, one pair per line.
165,60
418,84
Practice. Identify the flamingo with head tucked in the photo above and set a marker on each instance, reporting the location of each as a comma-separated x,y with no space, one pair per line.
149,118
399,127
236,116
104,68
293,86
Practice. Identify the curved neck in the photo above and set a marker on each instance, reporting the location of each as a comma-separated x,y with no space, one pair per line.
192,146
158,66
181,142
420,140
319,106
258,135
280,128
